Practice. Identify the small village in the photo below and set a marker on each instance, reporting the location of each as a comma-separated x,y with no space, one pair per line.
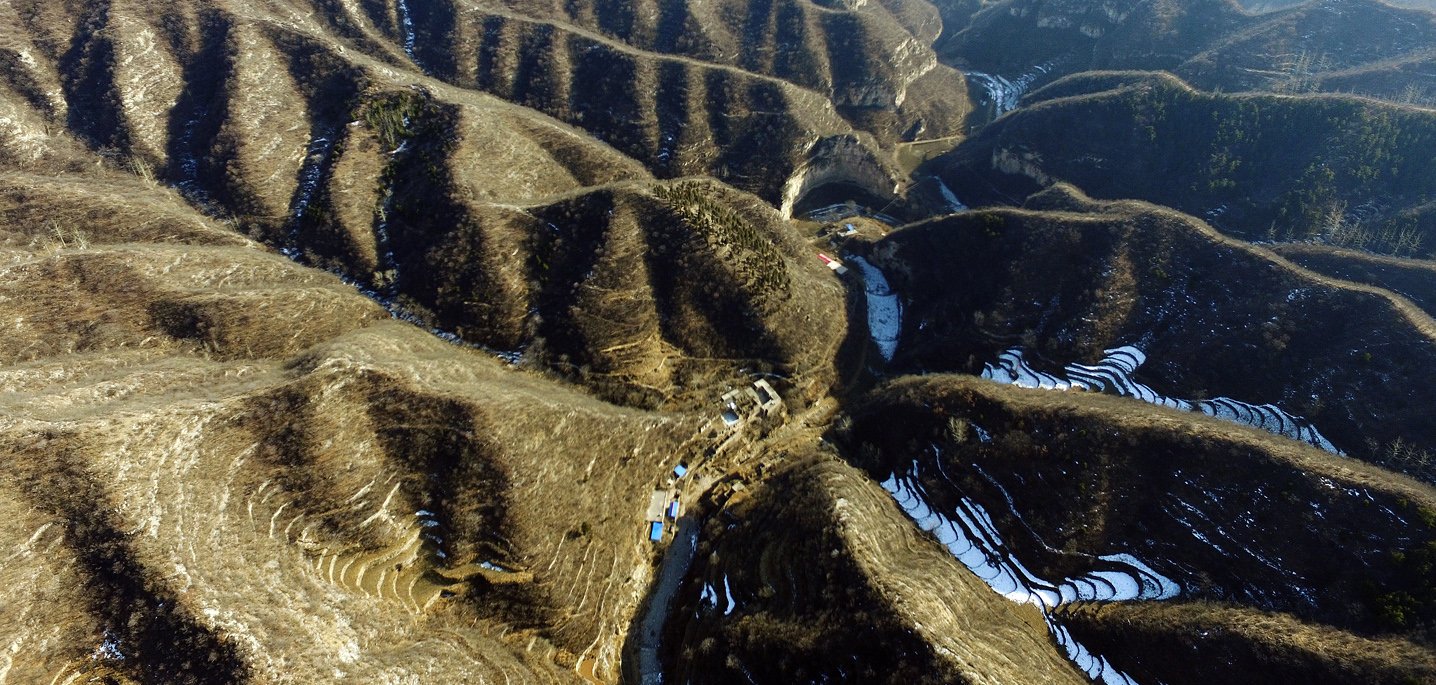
737,409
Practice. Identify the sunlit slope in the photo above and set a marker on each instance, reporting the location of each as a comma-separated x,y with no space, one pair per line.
212,443
235,97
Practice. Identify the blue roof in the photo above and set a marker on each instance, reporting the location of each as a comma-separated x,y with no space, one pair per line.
655,531
673,510
680,470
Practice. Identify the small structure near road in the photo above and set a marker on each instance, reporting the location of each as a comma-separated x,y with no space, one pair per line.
758,399
730,414
833,264
656,502
659,504
768,398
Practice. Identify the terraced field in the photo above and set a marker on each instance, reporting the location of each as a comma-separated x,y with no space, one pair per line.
1114,374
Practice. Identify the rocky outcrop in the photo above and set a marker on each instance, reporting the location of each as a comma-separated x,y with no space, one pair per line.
839,160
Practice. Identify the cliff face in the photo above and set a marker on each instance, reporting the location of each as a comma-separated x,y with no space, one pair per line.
842,160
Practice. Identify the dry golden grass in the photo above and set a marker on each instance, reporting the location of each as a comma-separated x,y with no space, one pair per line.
253,440
60,211
1413,278
217,459
313,475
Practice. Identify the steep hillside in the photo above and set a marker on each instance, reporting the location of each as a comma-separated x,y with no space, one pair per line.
871,61
300,131
229,467
411,341
1316,46
819,563
1345,170
1076,36
1065,285
226,467
1092,487
1414,279
212,444
241,100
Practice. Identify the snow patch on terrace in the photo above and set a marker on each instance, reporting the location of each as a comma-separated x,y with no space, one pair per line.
728,594
1114,375
971,537
1096,667
709,597
1005,93
884,308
